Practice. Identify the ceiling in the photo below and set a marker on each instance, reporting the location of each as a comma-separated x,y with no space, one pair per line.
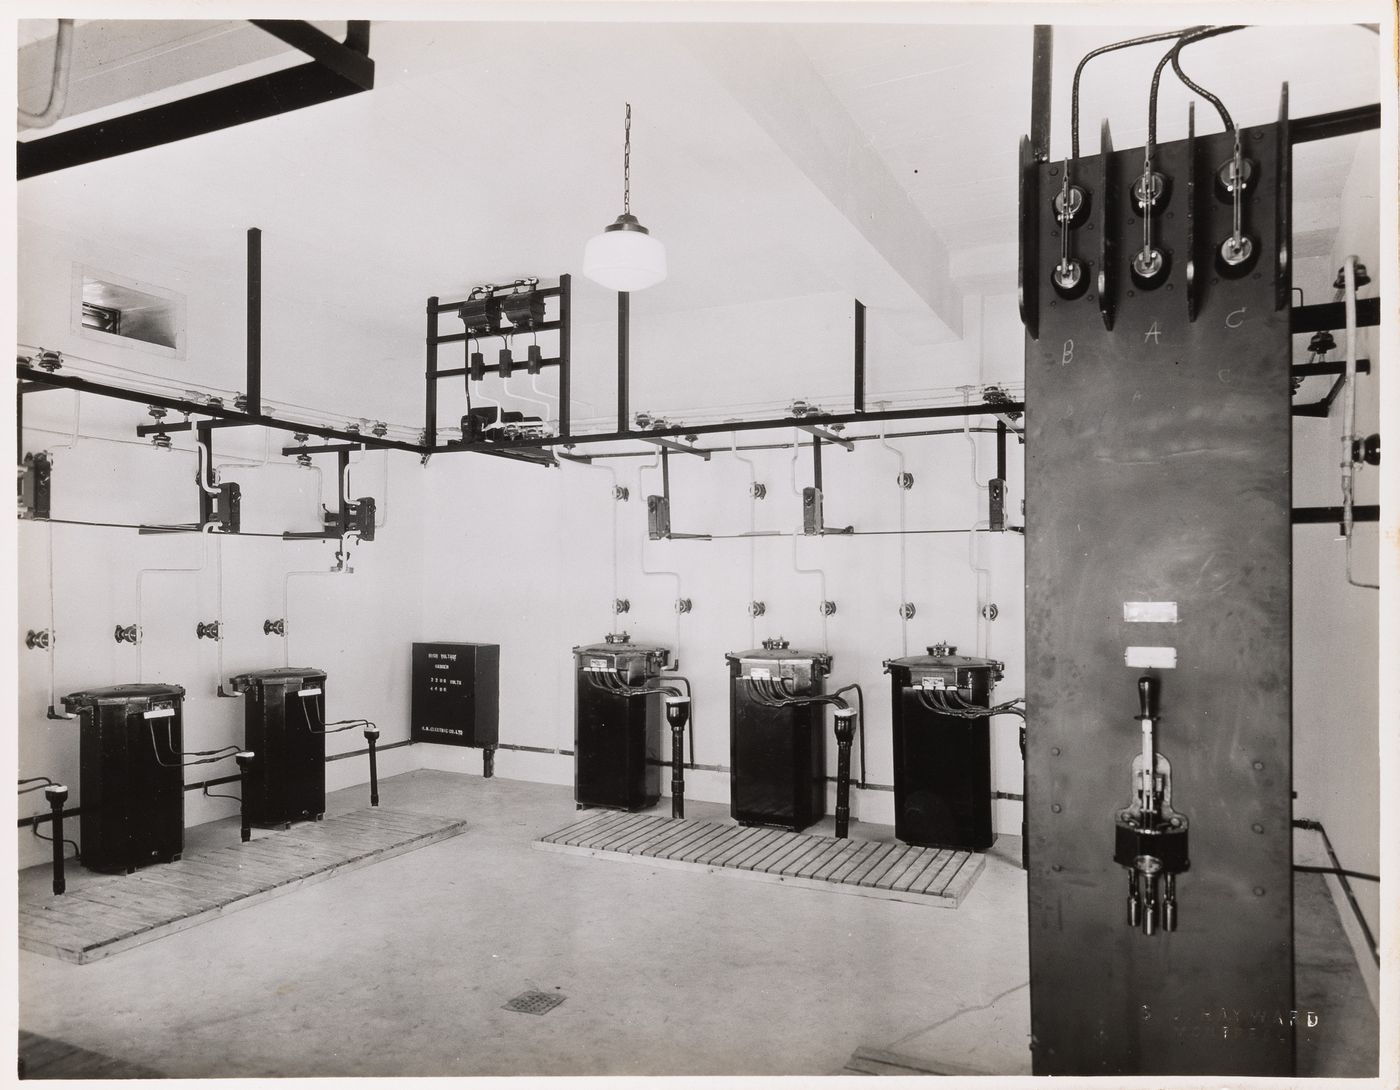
774,160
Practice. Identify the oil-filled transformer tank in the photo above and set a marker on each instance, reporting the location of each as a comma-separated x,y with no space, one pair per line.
284,724
131,783
617,723
777,750
942,752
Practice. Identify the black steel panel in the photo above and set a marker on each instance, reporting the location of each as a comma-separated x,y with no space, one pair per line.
456,694
1157,470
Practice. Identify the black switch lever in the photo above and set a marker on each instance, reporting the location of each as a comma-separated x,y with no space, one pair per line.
1148,691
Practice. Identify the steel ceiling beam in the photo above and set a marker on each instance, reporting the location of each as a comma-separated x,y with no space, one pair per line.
336,69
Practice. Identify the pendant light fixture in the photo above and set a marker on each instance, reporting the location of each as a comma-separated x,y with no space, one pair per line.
625,257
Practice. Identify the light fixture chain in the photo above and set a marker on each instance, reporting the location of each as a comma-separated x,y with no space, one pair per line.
627,164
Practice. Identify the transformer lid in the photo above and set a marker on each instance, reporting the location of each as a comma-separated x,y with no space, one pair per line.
946,661
622,649
780,654
125,694
246,680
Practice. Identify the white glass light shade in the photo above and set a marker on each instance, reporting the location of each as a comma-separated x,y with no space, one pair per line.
625,257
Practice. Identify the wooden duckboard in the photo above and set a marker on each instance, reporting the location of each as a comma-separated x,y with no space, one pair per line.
883,869
102,915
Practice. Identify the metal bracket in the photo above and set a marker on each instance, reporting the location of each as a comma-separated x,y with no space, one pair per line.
34,485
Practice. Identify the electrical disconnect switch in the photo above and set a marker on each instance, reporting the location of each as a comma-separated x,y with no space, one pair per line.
1150,838
812,510
658,518
996,505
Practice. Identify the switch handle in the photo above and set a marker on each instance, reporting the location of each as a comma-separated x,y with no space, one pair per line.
1148,690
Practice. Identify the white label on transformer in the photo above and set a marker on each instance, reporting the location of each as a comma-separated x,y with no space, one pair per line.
932,683
1150,612
1151,658
597,664
760,673
308,692
159,713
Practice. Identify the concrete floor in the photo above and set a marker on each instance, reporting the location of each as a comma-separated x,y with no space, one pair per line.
402,968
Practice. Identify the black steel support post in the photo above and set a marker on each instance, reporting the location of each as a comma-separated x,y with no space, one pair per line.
678,770
372,737
1001,450
623,362
859,397
245,764
56,795
845,732
254,381
1042,53
430,396
677,715
565,364
488,762
817,463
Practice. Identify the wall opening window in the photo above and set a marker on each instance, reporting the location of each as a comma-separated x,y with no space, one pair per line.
120,310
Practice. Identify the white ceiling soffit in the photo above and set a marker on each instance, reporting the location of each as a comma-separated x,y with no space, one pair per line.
773,78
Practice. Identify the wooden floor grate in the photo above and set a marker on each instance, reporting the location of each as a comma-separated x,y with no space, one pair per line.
103,914
884,869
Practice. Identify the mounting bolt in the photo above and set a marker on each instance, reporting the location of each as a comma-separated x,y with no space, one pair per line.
621,605
37,640
207,631
275,628
827,608
683,605
990,611
905,481
758,490
907,610
757,609
620,493
126,634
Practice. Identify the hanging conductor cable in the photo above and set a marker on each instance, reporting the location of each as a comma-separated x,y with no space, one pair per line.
1079,69
314,699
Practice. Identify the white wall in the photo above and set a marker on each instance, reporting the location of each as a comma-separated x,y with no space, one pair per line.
357,626
522,556
1336,626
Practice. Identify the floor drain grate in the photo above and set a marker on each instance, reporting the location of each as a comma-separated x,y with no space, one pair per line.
534,1002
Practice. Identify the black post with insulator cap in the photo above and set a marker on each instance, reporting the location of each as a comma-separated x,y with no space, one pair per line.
845,732
57,794
372,737
245,763
677,714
